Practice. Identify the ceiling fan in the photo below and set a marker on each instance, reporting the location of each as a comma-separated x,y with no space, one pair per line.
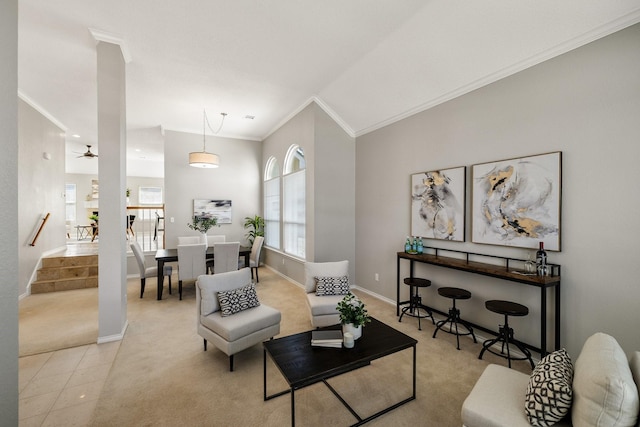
87,154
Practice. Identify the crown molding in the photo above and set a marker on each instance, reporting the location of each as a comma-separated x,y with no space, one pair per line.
41,110
335,116
562,48
103,36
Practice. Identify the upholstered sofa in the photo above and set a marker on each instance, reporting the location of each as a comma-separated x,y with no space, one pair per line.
603,391
322,308
229,314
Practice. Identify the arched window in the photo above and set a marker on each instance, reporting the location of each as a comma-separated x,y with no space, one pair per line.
272,203
294,202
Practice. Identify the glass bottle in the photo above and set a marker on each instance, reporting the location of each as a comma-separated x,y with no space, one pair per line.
414,245
407,245
541,261
420,245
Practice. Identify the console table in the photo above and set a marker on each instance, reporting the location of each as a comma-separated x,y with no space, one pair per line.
503,271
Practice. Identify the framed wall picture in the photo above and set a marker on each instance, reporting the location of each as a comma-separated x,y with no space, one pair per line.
205,208
438,204
516,202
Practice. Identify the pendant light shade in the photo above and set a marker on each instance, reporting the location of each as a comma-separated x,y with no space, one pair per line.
202,159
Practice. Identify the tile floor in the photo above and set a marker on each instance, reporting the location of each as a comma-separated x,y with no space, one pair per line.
61,388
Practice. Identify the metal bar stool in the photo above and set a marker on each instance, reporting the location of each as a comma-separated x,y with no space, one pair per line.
415,300
454,315
505,334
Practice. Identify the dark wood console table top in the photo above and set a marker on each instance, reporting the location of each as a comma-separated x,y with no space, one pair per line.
505,271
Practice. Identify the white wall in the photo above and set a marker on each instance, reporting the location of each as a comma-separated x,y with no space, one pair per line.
238,179
41,184
83,189
9,212
330,189
586,104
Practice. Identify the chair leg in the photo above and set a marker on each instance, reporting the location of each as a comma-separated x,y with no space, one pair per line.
205,345
180,289
169,276
257,278
142,283
231,363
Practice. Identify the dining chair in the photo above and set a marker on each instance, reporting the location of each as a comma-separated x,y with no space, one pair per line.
129,225
216,238
225,256
158,227
212,240
147,271
189,240
191,263
254,258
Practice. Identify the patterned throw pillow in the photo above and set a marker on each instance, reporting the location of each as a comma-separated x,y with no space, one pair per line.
332,285
236,300
549,393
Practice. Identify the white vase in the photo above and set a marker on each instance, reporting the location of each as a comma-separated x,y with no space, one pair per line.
203,239
355,330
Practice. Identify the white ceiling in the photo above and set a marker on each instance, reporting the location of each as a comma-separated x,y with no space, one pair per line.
367,62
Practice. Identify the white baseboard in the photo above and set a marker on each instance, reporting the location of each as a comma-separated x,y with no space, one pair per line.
115,337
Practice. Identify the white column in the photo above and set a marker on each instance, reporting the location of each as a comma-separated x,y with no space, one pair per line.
112,282
9,212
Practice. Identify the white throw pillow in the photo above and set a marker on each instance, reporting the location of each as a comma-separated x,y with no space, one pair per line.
604,394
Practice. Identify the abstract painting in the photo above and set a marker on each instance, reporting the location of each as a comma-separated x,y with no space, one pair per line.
516,202
205,208
438,204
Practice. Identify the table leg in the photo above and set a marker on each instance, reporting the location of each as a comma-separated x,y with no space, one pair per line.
543,322
293,408
414,370
247,258
398,287
557,320
160,278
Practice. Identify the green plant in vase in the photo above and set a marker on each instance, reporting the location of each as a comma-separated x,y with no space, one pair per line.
255,226
202,224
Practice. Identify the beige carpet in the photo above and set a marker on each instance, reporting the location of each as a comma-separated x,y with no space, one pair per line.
162,377
56,320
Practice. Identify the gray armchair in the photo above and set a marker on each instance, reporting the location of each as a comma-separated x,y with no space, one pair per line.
240,330
323,308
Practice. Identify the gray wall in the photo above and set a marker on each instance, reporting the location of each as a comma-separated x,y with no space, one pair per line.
41,184
9,213
330,189
585,103
238,178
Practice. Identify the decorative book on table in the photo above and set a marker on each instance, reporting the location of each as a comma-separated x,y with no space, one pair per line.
331,338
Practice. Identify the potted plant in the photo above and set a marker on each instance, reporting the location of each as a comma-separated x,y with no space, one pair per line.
255,226
353,315
202,224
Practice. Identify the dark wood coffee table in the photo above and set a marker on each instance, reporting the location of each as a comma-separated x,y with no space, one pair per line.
302,365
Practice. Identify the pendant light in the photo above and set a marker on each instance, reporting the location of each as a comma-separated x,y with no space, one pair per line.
202,159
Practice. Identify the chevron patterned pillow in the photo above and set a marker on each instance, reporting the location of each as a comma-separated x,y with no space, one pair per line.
237,300
332,285
549,393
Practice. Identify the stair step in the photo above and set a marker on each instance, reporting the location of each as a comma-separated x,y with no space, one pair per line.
64,273
42,286
70,261
55,273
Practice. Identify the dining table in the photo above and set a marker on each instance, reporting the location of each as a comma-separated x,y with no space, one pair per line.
171,255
